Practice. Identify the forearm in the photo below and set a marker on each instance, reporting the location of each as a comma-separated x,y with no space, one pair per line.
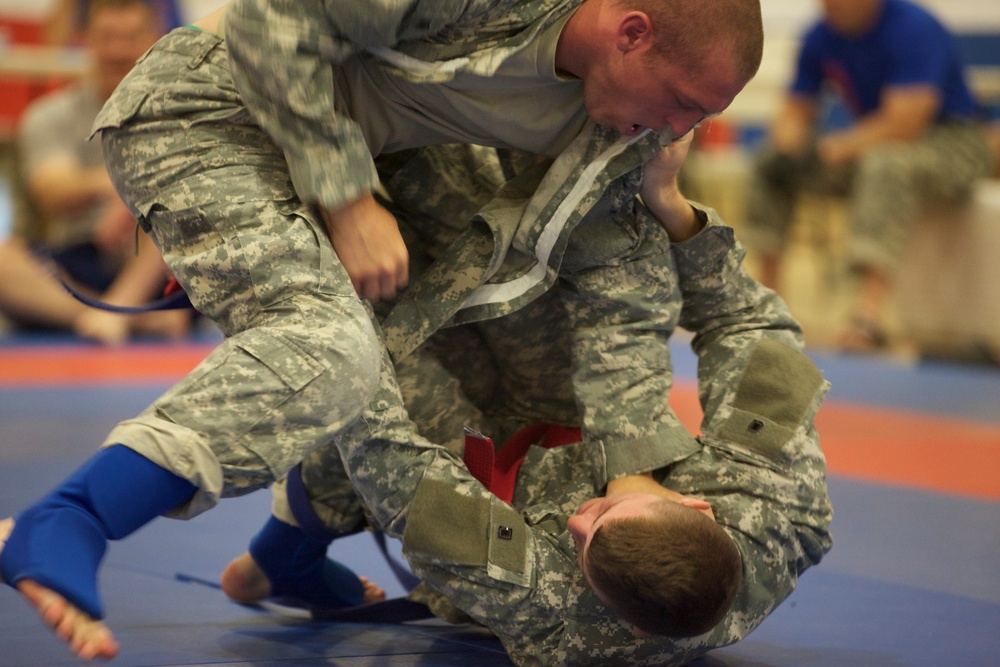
717,291
904,115
681,220
140,279
660,192
874,130
622,316
727,310
792,131
62,188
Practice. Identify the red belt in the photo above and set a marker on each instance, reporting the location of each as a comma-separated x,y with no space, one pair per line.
497,469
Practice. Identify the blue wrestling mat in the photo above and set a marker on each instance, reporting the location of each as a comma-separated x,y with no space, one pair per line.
913,579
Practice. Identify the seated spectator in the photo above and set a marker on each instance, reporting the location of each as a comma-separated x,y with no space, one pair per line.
66,22
89,239
914,139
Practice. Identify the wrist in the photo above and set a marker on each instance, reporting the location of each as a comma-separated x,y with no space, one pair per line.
348,212
677,217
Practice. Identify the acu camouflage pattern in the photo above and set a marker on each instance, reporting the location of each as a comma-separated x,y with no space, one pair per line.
420,40
619,296
296,387
888,189
301,354
517,241
771,499
768,492
513,249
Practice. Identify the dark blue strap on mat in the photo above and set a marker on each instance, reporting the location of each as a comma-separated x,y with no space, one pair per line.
174,301
396,610
403,574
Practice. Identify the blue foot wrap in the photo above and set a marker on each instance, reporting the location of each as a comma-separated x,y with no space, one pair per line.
299,503
297,567
60,541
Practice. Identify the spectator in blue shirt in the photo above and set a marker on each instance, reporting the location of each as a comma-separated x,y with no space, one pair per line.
914,138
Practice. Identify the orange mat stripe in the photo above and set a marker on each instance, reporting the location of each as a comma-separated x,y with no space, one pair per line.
32,367
934,453
894,446
863,442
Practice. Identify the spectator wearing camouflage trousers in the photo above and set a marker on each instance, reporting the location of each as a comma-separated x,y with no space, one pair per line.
913,140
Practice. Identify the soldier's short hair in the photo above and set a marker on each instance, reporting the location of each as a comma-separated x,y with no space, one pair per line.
686,32
672,572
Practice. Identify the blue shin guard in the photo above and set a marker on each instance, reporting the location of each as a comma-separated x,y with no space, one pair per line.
299,571
60,541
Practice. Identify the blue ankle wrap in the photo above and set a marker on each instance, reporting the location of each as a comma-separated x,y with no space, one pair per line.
30,553
297,567
302,510
59,542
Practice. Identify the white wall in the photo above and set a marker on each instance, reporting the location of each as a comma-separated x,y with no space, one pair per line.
24,10
195,9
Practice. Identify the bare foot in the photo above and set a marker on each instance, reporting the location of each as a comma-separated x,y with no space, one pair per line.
244,582
373,592
87,637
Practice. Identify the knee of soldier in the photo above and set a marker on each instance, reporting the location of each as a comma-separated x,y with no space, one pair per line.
338,337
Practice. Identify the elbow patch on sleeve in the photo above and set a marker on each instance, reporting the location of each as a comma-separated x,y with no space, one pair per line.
456,529
775,394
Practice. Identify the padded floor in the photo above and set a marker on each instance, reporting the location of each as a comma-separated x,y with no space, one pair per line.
913,579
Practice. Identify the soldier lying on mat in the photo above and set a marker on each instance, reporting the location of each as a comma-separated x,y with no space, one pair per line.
578,566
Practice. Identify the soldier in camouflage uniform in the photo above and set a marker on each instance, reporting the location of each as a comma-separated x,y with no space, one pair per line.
241,167
913,139
757,462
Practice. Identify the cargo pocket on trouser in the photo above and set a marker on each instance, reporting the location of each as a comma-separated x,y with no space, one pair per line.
261,403
240,258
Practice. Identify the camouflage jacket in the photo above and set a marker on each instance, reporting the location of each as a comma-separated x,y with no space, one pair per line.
617,285
280,75
758,461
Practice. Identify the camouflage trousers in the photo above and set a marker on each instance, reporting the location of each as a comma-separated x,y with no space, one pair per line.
886,189
495,376
301,354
